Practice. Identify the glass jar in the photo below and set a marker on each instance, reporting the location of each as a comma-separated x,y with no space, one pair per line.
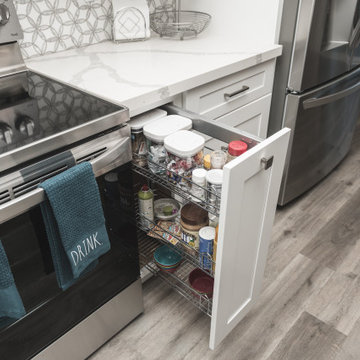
218,159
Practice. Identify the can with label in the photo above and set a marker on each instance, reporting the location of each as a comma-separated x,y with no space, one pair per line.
146,206
206,246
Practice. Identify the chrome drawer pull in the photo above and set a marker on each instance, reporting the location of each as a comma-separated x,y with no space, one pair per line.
231,96
267,162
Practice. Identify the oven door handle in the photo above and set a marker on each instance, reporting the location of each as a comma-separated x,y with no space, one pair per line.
116,156
315,102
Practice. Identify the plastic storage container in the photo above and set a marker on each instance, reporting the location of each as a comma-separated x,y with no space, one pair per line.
184,152
155,133
138,141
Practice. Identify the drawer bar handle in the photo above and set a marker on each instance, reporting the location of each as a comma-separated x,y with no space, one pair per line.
230,96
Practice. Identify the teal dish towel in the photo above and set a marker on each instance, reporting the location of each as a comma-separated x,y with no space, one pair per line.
11,305
74,222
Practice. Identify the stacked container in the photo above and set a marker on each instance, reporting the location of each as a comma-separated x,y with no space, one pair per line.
155,133
184,153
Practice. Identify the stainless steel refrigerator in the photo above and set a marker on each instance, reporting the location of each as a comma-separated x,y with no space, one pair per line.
317,88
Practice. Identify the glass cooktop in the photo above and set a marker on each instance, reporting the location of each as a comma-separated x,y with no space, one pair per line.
33,107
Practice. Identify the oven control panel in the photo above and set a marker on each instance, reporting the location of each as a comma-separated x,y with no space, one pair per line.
10,29
18,125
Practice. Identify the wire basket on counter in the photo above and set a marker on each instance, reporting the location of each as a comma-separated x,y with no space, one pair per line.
179,24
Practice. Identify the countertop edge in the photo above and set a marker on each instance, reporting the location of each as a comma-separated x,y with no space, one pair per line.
166,94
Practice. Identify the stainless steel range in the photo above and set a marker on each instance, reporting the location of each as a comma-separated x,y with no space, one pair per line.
45,128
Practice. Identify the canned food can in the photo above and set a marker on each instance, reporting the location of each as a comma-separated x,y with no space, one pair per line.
206,246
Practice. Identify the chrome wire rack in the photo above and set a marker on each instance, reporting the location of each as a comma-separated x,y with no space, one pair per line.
177,280
193,256
180,190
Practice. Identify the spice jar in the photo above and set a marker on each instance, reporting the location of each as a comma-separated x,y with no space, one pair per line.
218,159
193,218
207,162
198,185
235,149
214,179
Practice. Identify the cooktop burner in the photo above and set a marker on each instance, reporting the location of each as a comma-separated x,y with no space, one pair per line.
33,107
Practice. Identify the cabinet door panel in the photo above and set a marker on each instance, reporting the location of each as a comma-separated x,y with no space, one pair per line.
248,203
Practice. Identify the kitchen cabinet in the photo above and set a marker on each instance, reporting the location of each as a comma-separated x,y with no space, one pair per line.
248,201
241,100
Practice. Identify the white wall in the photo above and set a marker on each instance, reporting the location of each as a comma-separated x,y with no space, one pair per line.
254,20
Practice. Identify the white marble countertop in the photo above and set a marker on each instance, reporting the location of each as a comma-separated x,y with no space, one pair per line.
143,75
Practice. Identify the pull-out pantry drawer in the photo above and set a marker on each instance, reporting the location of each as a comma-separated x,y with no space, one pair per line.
246,212
222,96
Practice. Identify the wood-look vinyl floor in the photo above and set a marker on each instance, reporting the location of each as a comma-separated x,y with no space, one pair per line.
310,305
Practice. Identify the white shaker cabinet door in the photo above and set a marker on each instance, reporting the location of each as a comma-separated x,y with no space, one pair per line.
248,203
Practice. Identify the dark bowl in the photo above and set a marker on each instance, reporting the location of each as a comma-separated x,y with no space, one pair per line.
202,282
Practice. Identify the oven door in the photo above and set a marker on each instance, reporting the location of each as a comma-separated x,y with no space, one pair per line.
52,312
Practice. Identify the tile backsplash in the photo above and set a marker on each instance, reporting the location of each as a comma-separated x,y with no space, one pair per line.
54,25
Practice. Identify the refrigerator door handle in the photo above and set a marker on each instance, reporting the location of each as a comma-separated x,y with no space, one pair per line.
315,102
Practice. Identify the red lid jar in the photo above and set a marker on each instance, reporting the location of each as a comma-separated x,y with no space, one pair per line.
237,147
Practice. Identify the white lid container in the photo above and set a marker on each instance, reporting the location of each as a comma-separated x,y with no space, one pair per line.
207,233
158,130
215,176
198,176
138,122
184,143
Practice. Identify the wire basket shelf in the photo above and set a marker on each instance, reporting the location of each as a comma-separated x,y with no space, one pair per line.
179,24
179,280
